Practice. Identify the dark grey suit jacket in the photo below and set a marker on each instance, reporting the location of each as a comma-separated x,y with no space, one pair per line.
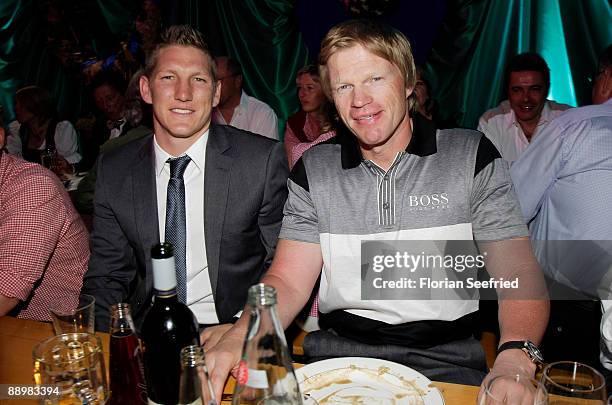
245,188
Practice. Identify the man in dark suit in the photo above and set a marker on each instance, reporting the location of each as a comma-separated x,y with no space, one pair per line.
234,190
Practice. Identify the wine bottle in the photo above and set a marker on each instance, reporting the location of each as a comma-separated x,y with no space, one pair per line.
127,381
265,372
195,387
168,326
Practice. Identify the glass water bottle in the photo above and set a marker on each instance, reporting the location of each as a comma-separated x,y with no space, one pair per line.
265,374
195,387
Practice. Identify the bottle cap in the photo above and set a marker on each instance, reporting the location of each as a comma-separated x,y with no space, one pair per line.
164,274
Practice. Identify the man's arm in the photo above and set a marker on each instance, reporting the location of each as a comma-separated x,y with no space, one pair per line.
30,226
112,265
537,168
270,214
293,273
523,313
499,227
269,219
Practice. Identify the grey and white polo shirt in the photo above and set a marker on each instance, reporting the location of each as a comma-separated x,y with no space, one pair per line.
448,185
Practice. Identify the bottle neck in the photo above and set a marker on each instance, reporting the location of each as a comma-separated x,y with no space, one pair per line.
192,356
121,319
166,294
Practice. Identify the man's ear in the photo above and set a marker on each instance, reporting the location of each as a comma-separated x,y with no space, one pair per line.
145,91
217,93
409,91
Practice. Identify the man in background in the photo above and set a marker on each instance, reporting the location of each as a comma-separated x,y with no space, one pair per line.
563,181
517,121
107,93
238,109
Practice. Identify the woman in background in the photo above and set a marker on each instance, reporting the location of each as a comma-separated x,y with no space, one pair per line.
312,124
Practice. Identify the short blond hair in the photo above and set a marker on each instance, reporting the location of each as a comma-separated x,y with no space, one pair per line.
380,39
182,35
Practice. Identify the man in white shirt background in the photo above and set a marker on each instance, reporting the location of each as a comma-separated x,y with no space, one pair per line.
513,124
238,109
562,182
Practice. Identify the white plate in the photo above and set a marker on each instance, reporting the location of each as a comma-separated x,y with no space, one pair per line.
359,380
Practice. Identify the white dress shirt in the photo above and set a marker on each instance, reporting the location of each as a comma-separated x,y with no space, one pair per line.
199,290
251,115
501,127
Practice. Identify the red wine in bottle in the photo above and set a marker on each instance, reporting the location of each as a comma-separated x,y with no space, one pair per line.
127,383
168,326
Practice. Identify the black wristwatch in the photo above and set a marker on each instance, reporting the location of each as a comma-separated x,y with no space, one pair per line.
530,349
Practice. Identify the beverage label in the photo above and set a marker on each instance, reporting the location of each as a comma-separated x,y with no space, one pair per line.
257,379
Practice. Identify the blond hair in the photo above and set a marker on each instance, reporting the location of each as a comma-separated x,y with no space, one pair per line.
379,39
181,35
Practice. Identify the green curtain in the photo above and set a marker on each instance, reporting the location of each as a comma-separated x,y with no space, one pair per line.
477,37
263,36
27,58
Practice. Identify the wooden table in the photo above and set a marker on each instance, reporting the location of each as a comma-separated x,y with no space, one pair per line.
18,337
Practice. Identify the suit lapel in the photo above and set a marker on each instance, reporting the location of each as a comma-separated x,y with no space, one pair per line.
145,201
216,187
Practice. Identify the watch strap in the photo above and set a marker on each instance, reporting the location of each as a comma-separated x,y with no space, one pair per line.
530,349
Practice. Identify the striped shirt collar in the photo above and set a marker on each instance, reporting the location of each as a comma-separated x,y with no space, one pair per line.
422,142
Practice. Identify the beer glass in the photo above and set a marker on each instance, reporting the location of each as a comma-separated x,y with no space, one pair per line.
78,320
74,362
567,382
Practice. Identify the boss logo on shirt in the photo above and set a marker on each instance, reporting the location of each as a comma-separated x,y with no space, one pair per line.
428,201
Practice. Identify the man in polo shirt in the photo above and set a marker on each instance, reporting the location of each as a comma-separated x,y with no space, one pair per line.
382,183
513,124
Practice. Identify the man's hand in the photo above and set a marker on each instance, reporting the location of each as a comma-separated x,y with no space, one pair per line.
224,357
509,362
211,336
514,389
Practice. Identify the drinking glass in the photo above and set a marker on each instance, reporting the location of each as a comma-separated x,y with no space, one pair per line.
74,363
514,389
74,321
48,158
568,381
